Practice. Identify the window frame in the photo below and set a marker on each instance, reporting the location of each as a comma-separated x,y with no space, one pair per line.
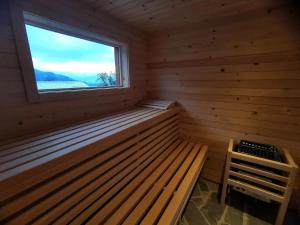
21,17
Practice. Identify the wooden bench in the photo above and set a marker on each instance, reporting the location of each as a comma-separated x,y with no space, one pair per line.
129,168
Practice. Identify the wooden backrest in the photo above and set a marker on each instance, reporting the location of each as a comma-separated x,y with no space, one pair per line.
35,169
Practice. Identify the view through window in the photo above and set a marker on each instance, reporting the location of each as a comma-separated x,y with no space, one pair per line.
65,62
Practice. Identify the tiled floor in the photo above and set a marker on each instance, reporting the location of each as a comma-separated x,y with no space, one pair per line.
204,208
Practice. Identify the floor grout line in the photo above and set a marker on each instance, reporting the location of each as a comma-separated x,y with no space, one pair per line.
206,209
222,219
245,219
205,218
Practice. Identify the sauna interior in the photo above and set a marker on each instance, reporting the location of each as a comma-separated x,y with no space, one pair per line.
150,112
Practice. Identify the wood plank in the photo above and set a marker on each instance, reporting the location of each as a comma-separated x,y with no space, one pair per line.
230,83
164,170
260,172
256,190
159,157
46,171
81,200
148,142
104,215
157,208
65,135
79,138
157,127
176,205
261,161
29,142
257,180
146,203
164,131
56,184
12,168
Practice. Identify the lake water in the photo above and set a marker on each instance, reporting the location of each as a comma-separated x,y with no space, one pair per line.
48,85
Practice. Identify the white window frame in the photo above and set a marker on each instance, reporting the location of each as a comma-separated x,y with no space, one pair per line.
20,18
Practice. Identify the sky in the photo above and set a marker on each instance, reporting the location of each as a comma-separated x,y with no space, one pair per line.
66,55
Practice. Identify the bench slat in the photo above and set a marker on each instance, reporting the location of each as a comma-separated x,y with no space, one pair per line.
90,200
58,182
41,144
28,143
155,159
45,170
150,174
125,168
148,143
74,200
157,208
65,192
173,211
163,173
85,202
46,150
156,127
142,208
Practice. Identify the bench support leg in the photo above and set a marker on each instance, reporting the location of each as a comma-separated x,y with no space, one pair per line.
287,195
226,172
224,193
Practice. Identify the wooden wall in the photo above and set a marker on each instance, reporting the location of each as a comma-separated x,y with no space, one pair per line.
17,116
235,76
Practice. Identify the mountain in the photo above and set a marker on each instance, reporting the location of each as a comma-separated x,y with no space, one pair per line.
48,76
89,79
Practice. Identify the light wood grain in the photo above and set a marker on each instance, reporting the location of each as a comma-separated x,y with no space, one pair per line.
126,155
234,75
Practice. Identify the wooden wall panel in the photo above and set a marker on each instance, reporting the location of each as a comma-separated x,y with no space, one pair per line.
18,117
235,77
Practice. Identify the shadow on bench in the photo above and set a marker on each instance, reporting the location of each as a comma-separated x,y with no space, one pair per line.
129,168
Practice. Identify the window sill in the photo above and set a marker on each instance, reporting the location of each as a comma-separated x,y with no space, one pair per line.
76,93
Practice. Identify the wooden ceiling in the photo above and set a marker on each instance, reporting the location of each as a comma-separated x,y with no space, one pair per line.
155,15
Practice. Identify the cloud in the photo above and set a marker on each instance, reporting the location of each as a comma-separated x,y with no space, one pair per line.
74,67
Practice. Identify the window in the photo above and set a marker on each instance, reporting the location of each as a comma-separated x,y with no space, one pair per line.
64,62
61,61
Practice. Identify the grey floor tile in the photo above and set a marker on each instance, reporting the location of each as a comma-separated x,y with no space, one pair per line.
193,215
234,216
203,208
203,185
212,186
196,192
199,202
212,209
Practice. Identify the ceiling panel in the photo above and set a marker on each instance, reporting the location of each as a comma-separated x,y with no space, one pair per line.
155,15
